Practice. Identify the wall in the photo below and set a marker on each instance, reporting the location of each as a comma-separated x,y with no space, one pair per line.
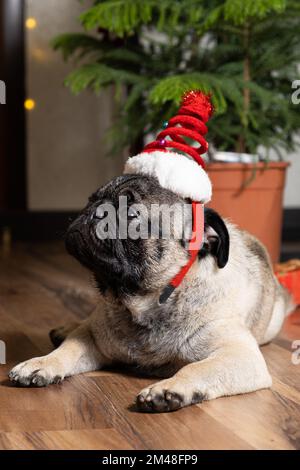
66,153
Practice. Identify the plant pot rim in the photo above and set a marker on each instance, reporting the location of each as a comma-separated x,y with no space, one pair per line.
225,166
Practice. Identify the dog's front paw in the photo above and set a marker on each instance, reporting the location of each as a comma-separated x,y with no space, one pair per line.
37,372
167,395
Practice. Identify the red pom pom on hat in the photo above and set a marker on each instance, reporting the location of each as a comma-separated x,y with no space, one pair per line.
196,103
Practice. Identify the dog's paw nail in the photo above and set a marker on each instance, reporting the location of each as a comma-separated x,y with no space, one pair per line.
57,379
13,376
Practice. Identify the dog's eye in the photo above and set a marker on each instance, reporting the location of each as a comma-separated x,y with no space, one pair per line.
132,213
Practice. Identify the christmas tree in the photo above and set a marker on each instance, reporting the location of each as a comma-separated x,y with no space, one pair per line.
245,52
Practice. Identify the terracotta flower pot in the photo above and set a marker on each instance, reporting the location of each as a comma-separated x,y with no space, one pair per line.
256,207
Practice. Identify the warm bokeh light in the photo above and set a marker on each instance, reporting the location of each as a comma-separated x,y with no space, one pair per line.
31,23
29,104
39,54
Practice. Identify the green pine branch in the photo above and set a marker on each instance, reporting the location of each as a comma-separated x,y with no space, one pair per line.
97,76
153,51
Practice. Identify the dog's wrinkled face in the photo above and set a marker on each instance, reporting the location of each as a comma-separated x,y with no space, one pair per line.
103,237
125,265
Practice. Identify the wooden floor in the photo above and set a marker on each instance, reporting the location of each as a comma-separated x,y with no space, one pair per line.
41,288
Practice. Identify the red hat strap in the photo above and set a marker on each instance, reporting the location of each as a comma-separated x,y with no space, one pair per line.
195,245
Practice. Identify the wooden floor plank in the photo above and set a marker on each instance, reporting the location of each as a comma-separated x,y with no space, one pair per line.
75,294
264,419
189,428
279,361
75,404
97,439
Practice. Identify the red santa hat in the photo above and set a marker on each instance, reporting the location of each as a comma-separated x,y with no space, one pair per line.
182,173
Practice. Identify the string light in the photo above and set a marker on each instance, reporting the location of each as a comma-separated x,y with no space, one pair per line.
29,104
31,23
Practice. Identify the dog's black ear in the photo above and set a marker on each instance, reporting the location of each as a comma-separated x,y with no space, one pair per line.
216,236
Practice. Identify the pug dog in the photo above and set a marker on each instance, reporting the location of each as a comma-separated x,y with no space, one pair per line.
203,342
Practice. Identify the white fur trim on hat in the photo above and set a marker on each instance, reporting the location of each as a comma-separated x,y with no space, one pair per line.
175,172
